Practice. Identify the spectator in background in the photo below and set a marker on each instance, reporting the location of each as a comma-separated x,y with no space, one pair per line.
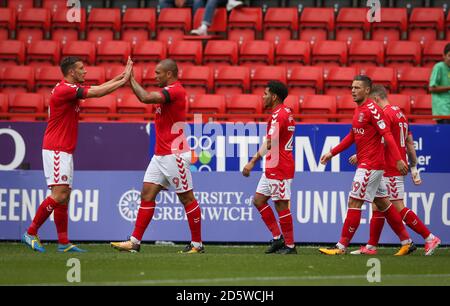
440,87
210,8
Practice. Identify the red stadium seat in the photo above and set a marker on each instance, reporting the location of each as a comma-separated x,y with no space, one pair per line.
316,23
17,79
113,52
413,80
221,52
338,80
44,52
292,52
20,5
94,76
186,51
149,51
26,103
402,101
351,24
448,26
263,74
317,104
345,105
101,106
207,104
385,76
305,80
12,52
394,22
130,104
196,79
366,52
138,24
432,52
293,102
63,30
219,22
32,24
280,24
172,21
244,104
7,22
329,52
256,52
426,23
148,76
231,80
83,49
54,5
402,53
421,105
102,23
47,77
244,24
3,103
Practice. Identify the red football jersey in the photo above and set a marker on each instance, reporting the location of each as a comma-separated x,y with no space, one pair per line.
398,124
368,127
64,109
170,120
279,159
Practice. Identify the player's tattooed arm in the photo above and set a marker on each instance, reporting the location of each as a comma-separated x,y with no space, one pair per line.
153,97
412,157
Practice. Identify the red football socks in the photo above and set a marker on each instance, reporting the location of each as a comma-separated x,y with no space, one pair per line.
376,227
42,214
286,225
351,224
194,216
396,223
61,220
414,222
145,215
269,219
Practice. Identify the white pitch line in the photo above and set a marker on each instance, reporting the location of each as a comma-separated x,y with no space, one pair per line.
240,279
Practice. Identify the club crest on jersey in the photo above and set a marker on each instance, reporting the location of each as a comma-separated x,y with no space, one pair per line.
361,117
64,178
381,124
158,110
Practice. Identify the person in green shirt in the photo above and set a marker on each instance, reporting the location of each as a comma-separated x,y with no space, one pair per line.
440,87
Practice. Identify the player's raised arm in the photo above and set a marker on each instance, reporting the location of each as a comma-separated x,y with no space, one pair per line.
110,86
412,157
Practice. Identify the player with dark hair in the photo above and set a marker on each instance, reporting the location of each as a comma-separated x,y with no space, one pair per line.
275,182
170,164
368,127
398,124
60,140
440,87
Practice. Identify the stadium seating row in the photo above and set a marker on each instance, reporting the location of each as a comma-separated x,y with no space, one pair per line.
237,107
221,52
229,80
277,24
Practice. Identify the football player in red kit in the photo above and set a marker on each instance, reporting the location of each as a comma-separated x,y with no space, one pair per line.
60,141
170,164
398,124
368,127
275,182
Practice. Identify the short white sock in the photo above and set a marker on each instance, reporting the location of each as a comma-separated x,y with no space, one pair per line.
134,240
196,244
291,246
405,242
430,237
277,237
370,247
340,246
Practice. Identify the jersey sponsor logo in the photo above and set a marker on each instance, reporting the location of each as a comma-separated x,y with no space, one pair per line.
381,124
361,117
129,205
358,131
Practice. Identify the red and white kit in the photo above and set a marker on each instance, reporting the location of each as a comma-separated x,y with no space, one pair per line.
60,138
398,124
368,127
170,166
276,180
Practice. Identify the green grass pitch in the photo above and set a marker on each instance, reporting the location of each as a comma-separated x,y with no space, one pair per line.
227,265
